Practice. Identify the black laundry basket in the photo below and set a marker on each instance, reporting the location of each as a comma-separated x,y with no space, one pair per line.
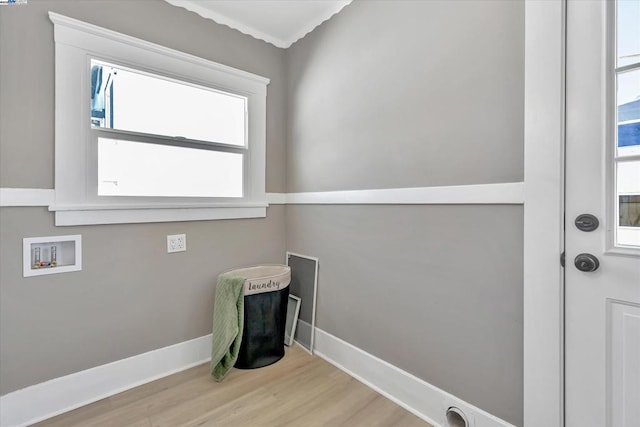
266,294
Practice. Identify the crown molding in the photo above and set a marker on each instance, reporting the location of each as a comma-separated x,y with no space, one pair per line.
194,6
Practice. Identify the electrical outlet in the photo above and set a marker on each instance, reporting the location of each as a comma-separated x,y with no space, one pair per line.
176,243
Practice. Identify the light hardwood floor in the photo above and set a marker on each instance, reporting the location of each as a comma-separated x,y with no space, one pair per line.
300,390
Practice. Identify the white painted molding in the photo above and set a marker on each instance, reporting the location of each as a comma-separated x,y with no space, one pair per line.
138,216
277,198
329,13
415,395
80,34
544,129
205,12
45,400
26,197
76,146
502,193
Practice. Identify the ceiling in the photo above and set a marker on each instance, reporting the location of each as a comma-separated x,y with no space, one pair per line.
279,22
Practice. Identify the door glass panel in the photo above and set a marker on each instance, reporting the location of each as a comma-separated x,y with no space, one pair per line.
628,185
628,37
627,129
629,211
628,102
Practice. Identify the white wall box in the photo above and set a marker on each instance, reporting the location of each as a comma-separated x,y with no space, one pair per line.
51,255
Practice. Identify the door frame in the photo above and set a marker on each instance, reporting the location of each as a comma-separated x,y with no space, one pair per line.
544,140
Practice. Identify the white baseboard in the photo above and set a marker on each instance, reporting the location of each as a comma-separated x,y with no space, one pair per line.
415,395
54,397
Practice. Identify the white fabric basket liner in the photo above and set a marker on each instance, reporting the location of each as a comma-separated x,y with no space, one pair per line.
263,278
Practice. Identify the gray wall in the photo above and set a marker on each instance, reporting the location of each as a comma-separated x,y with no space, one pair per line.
26,77
433,290
406,94
131,296
410,94
385,94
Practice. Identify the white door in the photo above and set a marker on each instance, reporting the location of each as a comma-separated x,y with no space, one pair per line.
602,307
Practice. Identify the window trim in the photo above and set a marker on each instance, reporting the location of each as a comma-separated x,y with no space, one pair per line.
76,43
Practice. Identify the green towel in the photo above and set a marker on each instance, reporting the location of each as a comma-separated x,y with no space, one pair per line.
228,322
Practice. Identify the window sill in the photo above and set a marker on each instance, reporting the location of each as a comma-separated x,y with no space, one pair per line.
95,215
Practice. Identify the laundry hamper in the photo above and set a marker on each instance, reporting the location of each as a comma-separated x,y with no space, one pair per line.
266,294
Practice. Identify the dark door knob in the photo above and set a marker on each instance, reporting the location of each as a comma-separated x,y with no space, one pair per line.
586,263
587,222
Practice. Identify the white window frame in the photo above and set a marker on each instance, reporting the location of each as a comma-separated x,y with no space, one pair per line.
613,160
76,199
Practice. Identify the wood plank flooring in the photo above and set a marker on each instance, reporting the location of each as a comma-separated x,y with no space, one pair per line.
300,390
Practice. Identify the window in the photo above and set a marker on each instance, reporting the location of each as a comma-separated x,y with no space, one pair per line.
626,75
129,168
145,133
135,101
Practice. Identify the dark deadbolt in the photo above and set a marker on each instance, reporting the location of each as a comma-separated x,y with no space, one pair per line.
587,222
586,263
